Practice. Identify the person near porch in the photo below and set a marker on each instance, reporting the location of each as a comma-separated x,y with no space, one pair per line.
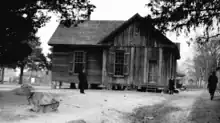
212,84
171,85
82,80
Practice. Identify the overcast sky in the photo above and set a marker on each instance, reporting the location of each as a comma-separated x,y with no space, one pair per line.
116,10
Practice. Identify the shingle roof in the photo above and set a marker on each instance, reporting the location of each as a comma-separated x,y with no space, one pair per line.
88,32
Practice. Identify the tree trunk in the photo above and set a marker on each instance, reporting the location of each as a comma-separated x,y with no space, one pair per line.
2,75
21,75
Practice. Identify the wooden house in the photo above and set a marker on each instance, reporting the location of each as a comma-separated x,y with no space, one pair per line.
121,53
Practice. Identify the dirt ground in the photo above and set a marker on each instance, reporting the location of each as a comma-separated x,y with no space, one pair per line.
103,106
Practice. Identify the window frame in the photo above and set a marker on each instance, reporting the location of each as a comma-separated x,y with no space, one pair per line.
73,62
122,75
112,63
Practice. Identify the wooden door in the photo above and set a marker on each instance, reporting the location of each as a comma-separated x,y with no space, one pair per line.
153,71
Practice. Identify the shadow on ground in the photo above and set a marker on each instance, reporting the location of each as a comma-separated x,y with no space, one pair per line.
13,108
205,110
152,114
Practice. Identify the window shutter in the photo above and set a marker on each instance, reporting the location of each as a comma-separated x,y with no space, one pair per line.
111,62
126,63
71,62
84,60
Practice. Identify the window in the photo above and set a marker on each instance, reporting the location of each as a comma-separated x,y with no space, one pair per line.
152,74
118,63
79,61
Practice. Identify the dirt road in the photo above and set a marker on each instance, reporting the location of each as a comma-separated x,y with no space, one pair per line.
101,106
186,107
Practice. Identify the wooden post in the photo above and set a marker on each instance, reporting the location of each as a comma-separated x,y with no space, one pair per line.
175,67
2,75
131,67
145,65
104,57
160,64
171,66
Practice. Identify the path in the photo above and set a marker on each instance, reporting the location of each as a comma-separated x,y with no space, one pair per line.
101,106
186,107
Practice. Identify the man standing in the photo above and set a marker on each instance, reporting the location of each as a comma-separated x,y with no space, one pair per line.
82,81
171,85
212,83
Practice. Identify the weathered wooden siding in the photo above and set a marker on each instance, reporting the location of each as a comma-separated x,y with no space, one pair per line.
135,37
94,66
169,66
61,64
138,40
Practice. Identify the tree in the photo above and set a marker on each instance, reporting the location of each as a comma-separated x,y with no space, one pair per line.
49,60
31,61
29,16
206,58
175,15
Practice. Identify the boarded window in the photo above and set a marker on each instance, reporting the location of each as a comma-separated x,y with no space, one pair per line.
118,63
153,71
78,62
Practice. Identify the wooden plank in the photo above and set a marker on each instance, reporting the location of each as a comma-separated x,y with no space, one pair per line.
145,65
104,57
160,64
130,80
60,65
171,66
61,53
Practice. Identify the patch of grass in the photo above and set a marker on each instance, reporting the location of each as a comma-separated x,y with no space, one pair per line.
155,112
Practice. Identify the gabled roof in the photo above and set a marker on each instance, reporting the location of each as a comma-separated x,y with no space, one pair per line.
89,32
94,32
121,27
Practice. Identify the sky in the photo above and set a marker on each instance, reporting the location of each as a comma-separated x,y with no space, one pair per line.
117,10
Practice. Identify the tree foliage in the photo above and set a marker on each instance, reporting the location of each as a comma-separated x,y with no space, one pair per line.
49,60
175,15
206,58
23,19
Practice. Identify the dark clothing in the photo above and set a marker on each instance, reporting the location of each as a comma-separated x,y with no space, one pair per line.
171,86
212,84
83,84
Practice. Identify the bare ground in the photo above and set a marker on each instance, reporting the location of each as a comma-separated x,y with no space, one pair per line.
102,106
187,107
